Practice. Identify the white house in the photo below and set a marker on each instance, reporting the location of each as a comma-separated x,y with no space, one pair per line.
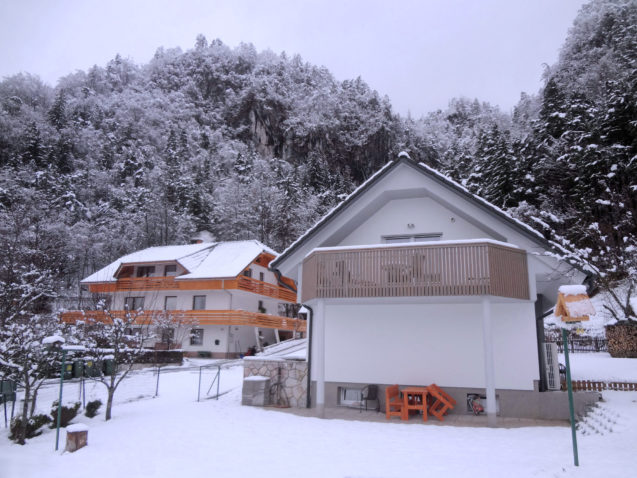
412,280
221,297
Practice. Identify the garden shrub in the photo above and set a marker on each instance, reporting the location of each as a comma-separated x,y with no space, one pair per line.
33,426
68,414
92,407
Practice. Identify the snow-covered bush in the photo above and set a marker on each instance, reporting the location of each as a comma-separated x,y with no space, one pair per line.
92,408
33,426
69,412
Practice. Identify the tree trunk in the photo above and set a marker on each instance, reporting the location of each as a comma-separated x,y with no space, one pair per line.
35,396
109,403
22,433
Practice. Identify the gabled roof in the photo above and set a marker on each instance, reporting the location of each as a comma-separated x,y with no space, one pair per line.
202,261
422,168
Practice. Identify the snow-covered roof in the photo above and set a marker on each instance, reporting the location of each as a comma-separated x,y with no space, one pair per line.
201,261
429,171
293,349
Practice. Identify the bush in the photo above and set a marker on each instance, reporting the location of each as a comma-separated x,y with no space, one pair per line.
92,407
33,426
68,414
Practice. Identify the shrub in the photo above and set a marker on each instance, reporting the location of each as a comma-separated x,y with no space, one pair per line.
92,407
33,426
68,414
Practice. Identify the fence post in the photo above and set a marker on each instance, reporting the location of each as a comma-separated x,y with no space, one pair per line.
157,386
199,388
218,379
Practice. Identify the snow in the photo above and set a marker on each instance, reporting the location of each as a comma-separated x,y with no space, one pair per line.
581,308
77,427
256,378
601,366
572,289
202,261
174,435
53,339
411,244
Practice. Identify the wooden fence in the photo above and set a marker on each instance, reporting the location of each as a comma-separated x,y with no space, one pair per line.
598,386
580,344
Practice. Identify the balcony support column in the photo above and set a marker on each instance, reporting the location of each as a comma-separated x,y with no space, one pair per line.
318,350
489,368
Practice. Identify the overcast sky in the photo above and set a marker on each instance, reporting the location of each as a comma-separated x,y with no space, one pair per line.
419,53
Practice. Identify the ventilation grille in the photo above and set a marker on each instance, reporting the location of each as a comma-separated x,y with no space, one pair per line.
552,366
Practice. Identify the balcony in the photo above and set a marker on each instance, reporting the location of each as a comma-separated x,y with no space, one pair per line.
247,284
198,317
423,270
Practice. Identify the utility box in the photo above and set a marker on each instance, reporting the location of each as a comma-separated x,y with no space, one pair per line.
76,437
256,391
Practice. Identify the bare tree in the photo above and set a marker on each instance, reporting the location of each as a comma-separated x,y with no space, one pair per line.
118,337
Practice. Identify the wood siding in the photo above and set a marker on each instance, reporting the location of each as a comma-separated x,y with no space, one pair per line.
418,270
203,317
170,283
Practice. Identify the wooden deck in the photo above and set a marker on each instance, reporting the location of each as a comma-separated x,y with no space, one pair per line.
247,284
419,270
202,317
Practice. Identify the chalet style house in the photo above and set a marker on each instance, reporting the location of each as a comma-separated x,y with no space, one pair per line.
221,297
413,280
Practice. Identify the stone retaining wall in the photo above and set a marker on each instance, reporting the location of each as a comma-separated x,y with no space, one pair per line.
293,377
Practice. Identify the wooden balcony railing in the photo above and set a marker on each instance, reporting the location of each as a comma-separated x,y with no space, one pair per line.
200,317
170,283
456,269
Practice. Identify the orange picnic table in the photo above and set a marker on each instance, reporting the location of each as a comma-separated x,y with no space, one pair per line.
414,398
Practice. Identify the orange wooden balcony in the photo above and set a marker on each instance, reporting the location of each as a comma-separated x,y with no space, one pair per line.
418,270
170,283
201,317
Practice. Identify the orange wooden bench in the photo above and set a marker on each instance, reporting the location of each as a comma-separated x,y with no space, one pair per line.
393,402
442,402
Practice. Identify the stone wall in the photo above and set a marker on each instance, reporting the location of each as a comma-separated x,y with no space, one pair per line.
293,377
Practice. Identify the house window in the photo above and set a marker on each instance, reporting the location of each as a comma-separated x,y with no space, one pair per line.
261,276
199,302
402,238
167,335
133,303
170,270
260,307
145,271
170,302
247,273
196,337
349,396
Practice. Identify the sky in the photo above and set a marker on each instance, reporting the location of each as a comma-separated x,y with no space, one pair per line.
419,53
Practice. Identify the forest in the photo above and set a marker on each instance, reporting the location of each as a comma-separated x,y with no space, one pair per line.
253,144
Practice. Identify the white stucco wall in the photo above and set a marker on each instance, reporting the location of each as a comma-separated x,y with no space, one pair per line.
426,215
419,344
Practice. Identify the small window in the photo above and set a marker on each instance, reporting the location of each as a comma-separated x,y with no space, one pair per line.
133,303
170,270
247,273
145,271
217,341
349,396
170,302
402,238
261,276
199,302
260,307
196,337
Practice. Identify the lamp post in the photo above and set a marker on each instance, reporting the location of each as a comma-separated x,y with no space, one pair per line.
569,386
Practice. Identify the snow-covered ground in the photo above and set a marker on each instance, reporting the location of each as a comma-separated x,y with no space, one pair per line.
174,435
601,366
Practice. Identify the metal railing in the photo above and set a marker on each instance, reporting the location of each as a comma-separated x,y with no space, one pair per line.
420,270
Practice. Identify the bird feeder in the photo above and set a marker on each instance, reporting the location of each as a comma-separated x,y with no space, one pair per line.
573,304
